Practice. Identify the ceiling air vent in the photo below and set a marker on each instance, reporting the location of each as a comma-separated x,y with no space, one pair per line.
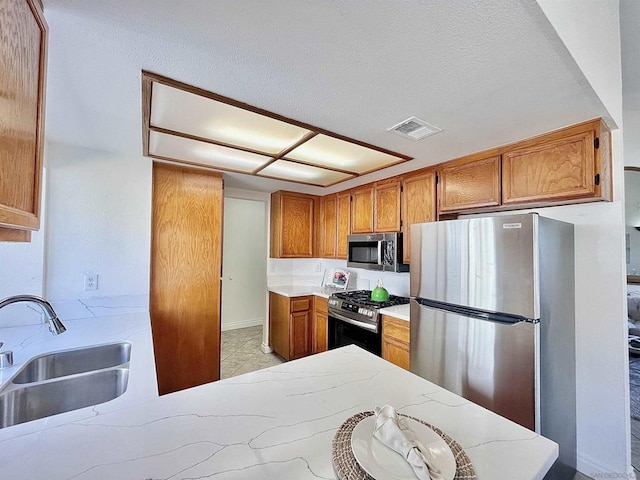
414,128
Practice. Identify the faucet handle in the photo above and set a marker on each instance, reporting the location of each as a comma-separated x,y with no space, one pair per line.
1,344
6,359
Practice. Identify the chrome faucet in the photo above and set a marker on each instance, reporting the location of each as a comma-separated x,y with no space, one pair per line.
55,325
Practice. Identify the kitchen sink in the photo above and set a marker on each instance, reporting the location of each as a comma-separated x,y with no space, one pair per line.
63,381
44,399
69,362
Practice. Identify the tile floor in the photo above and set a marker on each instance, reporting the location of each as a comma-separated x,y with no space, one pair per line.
240,352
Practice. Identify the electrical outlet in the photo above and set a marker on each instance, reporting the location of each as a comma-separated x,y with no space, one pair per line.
318,267
90,281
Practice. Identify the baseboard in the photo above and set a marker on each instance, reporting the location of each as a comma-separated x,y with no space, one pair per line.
266,348
251,322
593,468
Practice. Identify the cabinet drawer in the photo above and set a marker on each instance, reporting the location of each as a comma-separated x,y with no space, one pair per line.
300,304
396,329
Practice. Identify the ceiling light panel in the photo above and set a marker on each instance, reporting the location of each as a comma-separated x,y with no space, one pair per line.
332,152
203,153
182,111
297,172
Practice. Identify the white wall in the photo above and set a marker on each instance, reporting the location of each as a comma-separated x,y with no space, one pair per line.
590,29
99,221
244,263
22,271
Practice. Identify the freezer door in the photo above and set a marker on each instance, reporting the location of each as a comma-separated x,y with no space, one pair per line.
489,363
488,263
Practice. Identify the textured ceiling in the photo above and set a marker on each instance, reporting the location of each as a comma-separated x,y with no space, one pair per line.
486,72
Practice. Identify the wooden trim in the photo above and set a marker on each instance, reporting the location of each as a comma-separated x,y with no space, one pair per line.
280,156
14,235
147,92
633,279
632,169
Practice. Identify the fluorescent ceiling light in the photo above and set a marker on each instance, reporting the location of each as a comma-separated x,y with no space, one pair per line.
185,124
186,112
297,172
323,150
180,148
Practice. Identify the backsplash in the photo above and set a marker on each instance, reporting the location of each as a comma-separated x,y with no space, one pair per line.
302,271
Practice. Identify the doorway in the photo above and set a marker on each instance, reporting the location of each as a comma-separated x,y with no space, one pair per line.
244,286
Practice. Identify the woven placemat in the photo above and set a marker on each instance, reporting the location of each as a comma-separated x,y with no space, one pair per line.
347,468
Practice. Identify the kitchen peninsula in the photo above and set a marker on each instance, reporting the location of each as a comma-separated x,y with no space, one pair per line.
274,423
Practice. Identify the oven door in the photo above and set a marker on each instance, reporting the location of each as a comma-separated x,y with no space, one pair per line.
342,334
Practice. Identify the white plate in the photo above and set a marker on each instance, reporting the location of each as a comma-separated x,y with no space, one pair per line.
381,462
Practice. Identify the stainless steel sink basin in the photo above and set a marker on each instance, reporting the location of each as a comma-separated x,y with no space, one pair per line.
40,400
70,362
59,382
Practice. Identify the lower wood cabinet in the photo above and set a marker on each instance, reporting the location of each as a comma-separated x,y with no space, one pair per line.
395,341
320,329
290,325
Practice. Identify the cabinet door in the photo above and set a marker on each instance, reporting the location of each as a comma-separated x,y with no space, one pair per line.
320,339
328,225
22,84
297,228
395,352
300,335
551,170
362,209
343,223
418,205
387,206
469,183
279,324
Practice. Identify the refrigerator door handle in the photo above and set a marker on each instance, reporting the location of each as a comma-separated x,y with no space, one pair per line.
497,317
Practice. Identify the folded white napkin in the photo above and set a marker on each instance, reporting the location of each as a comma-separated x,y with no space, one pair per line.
396,434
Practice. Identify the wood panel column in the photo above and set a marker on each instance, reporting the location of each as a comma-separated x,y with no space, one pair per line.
186,261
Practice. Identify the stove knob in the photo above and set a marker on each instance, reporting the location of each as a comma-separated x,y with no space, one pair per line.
370,313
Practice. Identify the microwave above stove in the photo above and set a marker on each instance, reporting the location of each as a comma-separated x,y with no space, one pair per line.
376,251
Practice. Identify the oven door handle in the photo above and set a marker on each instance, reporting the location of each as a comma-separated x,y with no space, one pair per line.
367,326
380,257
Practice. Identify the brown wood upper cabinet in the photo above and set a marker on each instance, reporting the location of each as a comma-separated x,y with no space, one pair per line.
418,204
335,224
376,207
343,222
560,167
23,57
328,226
469,182
293,230
386,212
362,209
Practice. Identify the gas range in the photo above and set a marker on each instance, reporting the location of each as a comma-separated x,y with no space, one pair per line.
357,308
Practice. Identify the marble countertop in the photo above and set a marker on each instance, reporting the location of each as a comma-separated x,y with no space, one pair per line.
399,311
32,340
273,423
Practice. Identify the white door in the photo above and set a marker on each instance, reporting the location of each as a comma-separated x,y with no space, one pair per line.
244,263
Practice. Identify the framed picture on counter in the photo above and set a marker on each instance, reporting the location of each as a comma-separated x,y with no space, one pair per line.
336,278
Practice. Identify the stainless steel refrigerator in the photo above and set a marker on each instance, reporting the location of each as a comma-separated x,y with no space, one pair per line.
493,319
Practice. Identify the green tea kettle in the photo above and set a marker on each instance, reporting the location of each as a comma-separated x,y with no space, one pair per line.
379,294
